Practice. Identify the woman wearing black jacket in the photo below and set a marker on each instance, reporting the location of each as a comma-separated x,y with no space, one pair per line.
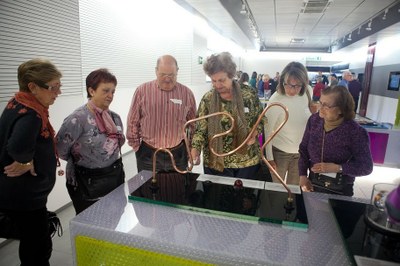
27,158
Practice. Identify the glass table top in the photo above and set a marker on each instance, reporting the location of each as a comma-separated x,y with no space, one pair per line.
364,241
227,197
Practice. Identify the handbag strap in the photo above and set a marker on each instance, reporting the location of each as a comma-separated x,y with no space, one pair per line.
323,145
120,152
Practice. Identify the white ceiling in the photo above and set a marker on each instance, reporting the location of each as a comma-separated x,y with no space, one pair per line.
279,21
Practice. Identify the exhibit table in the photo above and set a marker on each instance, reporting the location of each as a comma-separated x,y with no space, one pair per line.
120,231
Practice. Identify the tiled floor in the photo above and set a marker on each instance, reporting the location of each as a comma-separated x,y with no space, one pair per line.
62,255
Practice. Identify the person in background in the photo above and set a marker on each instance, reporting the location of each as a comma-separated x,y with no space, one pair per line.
28,158
260,86
253,80
276,78
333,81
158,113
244,79
323,77
272,85
282,151
334,143
238,75
355,89
346,78
268,85
319,86
90,140
229,96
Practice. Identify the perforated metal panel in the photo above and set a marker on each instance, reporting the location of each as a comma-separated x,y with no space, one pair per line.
46,29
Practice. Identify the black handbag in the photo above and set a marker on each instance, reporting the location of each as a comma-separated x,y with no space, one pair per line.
9,230
96,183
327,183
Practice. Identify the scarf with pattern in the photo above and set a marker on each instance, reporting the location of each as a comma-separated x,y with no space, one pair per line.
240,129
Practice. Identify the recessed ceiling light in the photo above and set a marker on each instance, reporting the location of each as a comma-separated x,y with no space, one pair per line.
297,40
368,28
243,11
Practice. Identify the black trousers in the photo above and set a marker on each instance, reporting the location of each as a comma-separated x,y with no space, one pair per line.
144,158
35,245
245,172
80,203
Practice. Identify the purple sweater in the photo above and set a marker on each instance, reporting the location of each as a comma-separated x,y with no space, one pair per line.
347,145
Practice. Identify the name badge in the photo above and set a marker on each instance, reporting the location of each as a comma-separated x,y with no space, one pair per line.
246,109
176,101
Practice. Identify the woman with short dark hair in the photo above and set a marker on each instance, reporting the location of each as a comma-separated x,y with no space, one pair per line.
90,140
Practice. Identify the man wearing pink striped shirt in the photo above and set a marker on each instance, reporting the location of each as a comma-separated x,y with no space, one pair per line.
158,112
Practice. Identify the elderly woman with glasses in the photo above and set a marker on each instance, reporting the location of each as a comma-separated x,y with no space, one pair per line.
28,158
227,95
334,148
294,92
90,140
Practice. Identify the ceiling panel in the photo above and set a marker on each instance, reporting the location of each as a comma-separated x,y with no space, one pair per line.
279,21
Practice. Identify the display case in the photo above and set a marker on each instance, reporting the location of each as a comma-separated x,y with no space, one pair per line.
121,230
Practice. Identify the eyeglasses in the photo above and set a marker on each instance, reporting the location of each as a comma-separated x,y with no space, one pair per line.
290,86
326,106
164,75
49,87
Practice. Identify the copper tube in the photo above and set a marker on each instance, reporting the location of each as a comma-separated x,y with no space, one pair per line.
290,197
190,166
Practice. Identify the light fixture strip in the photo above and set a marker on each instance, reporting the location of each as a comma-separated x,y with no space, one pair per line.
253,25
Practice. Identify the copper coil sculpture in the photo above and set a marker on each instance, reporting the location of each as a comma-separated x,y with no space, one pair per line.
250,135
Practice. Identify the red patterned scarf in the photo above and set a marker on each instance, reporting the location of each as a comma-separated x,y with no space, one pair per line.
30,101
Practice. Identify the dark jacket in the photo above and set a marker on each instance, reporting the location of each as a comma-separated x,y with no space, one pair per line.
22,139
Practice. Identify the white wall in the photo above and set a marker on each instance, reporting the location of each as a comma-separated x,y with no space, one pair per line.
379,108
126,37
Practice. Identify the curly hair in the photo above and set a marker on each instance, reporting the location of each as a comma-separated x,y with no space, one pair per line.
220,62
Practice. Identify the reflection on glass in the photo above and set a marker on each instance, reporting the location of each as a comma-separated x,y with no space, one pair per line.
365,237
233,200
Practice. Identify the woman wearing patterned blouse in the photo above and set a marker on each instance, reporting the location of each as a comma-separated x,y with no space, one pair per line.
243,104
90,139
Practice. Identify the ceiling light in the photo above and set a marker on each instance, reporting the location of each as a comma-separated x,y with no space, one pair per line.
243,11
297,40
384,15
359,30
368,28
349,37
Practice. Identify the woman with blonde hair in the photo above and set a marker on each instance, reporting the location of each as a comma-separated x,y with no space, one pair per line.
28,158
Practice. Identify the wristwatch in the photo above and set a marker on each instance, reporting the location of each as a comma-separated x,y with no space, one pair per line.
25,164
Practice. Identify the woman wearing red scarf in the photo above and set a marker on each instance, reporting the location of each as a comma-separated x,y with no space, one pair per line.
90,140
28,158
